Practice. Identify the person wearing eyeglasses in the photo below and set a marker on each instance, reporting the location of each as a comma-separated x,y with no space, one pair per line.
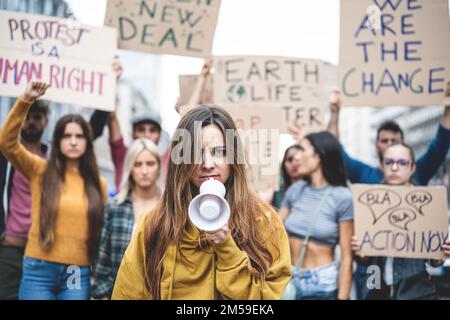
403,278
390,133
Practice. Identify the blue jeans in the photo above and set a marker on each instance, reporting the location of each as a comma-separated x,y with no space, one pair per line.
317,284
360,280
43,280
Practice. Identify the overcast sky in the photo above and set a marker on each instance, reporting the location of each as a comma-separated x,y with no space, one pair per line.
297,28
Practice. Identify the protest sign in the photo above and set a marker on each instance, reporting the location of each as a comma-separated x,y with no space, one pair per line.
310,117
394,52
407,222
180,27
294,86
187,86
447,101
259,135
75,60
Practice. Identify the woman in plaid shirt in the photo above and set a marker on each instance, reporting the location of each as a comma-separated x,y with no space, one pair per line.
139,192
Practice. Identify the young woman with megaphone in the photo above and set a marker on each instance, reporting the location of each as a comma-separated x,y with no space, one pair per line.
170,258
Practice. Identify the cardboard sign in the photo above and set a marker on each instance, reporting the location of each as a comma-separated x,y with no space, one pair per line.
310,117
180,27
407,222
187,86
294,86
257,80
75,60
259,134
447,101
394,52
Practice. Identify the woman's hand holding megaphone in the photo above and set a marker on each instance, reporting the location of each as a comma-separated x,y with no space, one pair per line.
218,236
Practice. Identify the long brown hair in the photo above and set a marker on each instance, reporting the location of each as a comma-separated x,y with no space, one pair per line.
169,218
53,179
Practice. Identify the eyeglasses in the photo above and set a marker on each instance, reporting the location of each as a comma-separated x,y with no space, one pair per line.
400,162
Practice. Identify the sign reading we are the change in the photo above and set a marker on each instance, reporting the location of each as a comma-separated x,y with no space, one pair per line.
179,27
406,222
294,86
75,60
394,52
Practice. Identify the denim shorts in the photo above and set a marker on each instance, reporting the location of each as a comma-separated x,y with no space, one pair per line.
317,284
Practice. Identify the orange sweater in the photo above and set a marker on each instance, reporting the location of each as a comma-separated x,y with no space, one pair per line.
71,223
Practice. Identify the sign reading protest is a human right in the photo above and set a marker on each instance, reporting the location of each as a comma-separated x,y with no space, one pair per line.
75,60
396,221
179,27
394,52
294,86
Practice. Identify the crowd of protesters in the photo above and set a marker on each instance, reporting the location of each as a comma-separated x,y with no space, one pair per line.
62,238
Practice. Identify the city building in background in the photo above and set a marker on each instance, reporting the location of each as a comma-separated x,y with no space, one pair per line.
356,133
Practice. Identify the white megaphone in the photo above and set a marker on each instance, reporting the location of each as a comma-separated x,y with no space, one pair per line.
209,211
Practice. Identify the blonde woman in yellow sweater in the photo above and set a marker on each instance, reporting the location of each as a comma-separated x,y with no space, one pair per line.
66,208
169,258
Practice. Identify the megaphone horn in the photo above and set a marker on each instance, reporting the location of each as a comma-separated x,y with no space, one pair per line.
209,211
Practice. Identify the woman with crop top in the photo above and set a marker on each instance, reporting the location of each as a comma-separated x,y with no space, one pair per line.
324,181
138,194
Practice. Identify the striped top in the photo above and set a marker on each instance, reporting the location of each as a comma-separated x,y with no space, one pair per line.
302,201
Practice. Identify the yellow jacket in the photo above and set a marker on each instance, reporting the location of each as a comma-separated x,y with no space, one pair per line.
217,272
